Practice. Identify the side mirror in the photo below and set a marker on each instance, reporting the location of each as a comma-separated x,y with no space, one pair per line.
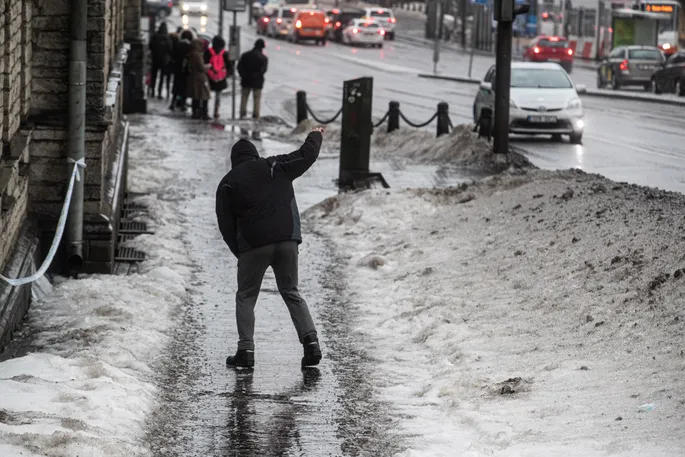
581,88
486,86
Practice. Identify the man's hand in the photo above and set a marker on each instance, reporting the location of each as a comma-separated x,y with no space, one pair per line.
318,129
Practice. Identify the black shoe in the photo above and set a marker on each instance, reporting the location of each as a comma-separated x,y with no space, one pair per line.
243,358
312,351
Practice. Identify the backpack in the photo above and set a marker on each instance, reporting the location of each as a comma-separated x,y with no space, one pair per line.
217,71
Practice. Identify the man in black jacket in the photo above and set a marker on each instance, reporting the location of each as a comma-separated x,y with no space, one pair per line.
259,221
251,67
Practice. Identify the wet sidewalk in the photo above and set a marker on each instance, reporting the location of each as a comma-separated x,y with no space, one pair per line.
276,409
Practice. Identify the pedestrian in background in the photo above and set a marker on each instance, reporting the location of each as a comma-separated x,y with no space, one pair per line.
252,67
181,68
220,68
198,81
160,48
259,221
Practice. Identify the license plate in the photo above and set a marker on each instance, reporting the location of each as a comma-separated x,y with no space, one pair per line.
369,33
646,67
542,119
555,60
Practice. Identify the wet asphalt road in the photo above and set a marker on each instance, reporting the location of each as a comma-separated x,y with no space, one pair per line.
625,140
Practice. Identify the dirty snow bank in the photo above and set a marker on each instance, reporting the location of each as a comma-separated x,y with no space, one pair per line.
538,314
87,388
461,147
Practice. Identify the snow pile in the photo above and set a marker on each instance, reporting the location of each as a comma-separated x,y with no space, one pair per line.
87,388
537,314
461,147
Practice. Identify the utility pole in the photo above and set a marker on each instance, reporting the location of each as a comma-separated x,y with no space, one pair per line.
436,48
505,12
221,18
462,7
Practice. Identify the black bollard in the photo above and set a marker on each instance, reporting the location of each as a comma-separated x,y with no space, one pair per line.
443,118
393,116
301,106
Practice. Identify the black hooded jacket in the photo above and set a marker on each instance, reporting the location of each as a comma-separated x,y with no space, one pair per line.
255,201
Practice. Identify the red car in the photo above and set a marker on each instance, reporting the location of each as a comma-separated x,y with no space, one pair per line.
550,49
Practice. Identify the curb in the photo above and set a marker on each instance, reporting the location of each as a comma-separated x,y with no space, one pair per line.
597,93
456,48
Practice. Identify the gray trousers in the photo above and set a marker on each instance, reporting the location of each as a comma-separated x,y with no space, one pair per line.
282,258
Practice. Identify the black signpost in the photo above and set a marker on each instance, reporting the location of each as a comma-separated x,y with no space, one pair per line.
505,12
234,6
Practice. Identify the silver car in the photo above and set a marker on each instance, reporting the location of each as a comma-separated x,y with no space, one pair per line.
629,66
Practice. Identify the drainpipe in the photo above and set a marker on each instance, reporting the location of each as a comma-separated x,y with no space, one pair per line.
76,131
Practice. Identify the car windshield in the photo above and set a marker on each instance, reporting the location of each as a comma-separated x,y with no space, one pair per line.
545,43
644,54
539,78
288,14
380,13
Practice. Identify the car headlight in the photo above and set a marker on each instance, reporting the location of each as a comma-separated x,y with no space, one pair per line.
186,7
203,7
574,103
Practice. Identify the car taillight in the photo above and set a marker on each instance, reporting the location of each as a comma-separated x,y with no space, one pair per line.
338,24
326,21
536,50
623,66
570,52
392,19
355,30
170,4
381,31
279,20
266,19
298,24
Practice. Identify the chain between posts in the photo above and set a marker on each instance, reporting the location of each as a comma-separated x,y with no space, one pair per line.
335,116
418,126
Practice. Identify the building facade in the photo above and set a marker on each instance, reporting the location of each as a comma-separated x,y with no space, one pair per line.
34,172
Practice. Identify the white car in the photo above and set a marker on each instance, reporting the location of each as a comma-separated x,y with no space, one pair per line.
543,100
364,32
280,22
385,17
194,7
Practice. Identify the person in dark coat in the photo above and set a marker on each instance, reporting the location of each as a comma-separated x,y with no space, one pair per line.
198,82
218,78
161,48
259,221
252,67
180,59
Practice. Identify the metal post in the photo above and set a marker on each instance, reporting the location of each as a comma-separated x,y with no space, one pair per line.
436,46
563,19
76,131
393,116
464,4
249,13
474,37
502,82
301,106
221,18
443,124
235,20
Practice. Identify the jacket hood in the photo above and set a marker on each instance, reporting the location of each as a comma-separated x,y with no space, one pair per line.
243,151
198,45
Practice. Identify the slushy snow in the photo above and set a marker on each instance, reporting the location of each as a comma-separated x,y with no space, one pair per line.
533,314
89,387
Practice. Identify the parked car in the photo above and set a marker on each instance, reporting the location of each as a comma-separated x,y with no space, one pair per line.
280,22
194,7
629,66
309,25
262,24
386,19
550,49
159,8
364,32
670,77
543,100
339,18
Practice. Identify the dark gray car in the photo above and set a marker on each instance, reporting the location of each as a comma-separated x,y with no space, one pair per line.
629,66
